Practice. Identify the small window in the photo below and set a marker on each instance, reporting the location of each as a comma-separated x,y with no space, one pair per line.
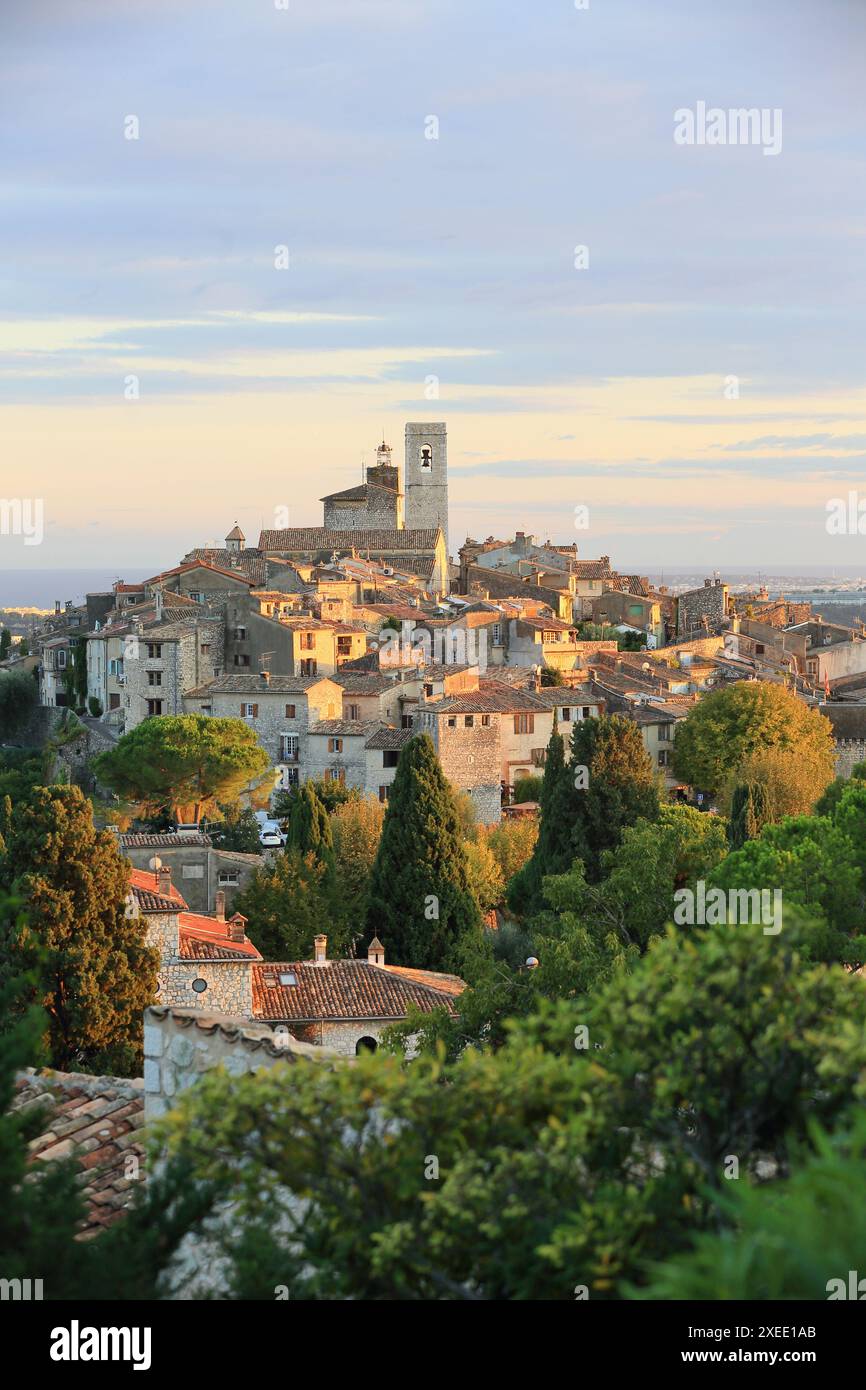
154,707
199,985
452,722
154,651
249,711
290,711
469,721
524,723
154,678
485,721
241,660
353,712
664,757
228,878
335,745
288,748
426,459
288,977
584,713
384,793
240,634
566,714
390,757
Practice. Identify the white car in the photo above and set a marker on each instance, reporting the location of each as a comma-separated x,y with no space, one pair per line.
271,837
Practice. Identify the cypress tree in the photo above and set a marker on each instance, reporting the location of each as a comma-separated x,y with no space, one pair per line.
621,786
90,968
420,903
554,850
309,826
750,812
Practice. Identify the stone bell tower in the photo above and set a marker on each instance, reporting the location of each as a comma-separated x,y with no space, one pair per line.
425,477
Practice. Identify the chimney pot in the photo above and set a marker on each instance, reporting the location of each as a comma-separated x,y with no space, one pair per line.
320,944
220,906
164,880
235,928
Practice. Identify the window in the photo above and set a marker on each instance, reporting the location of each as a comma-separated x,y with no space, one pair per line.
664,733
241,660
196,596
288,748
61,660
524,723
485,721
405,721
154,651
469,721
335,774
496,634
249,711
384,793
308,641
664,757
228,878
452,722
291,777
335,745
566,714
584,713
240,634
199,985
344,646
309,667
205,648
290,712
288,977
192,870
759,649
353,712
154,678
390,757
154,707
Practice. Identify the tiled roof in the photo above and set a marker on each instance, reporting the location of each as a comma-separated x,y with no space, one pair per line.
250,1037
349,494
392,739
351,728
142,840
303,538
186,565
143,885
204,938
343,989
96,1119
362,682
443,984
491,698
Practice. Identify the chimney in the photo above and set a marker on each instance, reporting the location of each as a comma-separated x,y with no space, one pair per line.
266,677
56,606
236,928
376,952
220,910
163,875
320,944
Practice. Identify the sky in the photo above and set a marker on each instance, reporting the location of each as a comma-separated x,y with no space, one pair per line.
340,215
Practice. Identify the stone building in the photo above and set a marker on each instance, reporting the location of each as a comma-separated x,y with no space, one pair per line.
281,710
204,962
849,734
346,1005
420,551
702,610
192,859
336,751
426,478
163,662
466,735
374,505
382,752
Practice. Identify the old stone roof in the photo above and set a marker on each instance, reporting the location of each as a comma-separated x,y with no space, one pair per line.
143,840
248,563
350,728
343,990
393,739
502,699
144,888
252,683
304,538
362,682
96,1119
349,494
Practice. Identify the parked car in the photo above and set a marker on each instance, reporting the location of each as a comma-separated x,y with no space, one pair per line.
271,837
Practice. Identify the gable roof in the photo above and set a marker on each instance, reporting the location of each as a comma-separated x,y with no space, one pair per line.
206,938
304,538
144,887
346,989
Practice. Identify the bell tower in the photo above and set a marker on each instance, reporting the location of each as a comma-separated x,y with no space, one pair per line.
425,477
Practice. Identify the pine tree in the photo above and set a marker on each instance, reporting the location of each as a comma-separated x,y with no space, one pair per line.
554,850
420,901
92,972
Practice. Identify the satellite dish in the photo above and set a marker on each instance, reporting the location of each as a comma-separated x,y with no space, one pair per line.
155,863
531,962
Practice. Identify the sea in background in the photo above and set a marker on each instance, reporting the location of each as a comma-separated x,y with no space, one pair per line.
40,588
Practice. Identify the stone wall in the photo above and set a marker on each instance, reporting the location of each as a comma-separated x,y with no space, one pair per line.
848,752
711,601
471,759
229,986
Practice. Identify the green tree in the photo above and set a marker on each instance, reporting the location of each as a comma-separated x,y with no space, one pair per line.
187,763
18,696
550,676
554,850
331,795
420,902
92,972
485,876
356,827
727,725
512,843
309,827
618,786
750,812
289,902
238,829
5,642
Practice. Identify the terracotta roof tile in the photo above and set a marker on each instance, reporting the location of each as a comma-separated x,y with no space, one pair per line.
343,989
